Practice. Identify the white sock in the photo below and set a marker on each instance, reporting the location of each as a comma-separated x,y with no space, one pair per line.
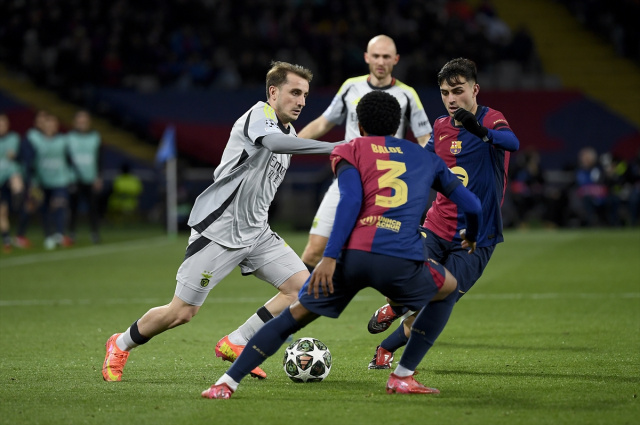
402,371
124,341
243,334
226,379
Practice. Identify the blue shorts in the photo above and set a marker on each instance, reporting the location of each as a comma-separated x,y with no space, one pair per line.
466,268
408,282
5,192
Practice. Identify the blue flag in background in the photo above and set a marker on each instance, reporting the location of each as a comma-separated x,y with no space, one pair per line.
167,148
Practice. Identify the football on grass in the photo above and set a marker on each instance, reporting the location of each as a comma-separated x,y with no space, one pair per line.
307,360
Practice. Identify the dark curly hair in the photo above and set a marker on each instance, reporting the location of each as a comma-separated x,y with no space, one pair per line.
379,113
456,68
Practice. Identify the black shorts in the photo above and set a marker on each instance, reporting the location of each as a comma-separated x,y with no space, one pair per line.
407,282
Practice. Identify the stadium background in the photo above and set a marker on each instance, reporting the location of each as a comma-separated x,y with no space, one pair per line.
551,332
564,72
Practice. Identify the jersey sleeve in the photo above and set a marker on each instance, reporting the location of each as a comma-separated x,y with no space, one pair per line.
494,120
337,110
420,125
445,181
261,122
344,152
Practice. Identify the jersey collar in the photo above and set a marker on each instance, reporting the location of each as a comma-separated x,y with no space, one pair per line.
393,83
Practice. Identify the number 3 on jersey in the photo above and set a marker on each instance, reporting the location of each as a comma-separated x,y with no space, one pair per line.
390,179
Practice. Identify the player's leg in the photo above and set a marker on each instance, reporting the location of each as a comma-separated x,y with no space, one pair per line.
321,227
74,205
273,261
268,340
205,265
265,343
401,380
435,248
92,197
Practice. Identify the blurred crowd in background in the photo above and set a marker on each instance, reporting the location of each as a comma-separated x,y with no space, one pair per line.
615,21
226,44
75,46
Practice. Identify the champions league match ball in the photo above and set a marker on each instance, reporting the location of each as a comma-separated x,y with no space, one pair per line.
307,360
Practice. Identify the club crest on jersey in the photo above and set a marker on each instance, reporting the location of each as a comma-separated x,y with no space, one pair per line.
456,147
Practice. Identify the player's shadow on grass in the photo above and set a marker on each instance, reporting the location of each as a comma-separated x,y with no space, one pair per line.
512,347
608,378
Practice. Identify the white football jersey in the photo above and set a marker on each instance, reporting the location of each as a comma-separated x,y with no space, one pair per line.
343,106
233,210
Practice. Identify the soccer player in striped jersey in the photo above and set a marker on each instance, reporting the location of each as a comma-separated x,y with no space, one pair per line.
229,223
384,187
381,56
475,142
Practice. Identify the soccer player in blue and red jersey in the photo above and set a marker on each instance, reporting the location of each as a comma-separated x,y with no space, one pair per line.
375,241
475,142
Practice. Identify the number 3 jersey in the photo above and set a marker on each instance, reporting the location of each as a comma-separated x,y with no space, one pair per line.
396,179
480,166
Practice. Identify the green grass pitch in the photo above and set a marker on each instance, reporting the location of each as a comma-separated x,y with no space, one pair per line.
549,335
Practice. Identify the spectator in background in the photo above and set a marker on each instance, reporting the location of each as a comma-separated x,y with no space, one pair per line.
591,190
33,194
632,181
527,185
10,177
51,167
123,201
86,183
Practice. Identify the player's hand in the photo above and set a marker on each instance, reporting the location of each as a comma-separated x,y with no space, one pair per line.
466,244
322,277
470,123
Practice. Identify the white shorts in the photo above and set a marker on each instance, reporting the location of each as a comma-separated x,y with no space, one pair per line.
206,263
326,214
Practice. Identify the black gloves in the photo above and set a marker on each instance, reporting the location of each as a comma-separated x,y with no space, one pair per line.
470,123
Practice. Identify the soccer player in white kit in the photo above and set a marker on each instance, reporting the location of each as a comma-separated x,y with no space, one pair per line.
381,56
229,223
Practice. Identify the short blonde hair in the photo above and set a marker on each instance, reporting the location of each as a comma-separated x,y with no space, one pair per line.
277,75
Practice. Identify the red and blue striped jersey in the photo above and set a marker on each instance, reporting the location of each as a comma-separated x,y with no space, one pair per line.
480,166
396,179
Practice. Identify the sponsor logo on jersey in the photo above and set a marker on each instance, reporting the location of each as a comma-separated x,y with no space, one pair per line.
381,222
277,170
422,124
456,147
461,174
384,149
443,136
204,282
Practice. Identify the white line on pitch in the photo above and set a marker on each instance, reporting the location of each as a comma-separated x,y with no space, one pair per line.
91,251
242,300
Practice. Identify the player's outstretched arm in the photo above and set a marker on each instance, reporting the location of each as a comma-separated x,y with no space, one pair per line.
472,209
280,143
316,128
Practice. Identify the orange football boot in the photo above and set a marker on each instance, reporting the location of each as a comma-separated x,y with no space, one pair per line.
114,360
230,352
